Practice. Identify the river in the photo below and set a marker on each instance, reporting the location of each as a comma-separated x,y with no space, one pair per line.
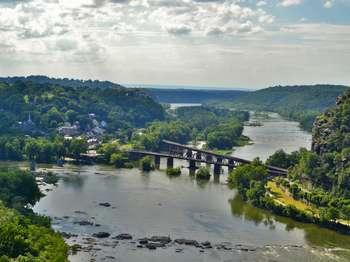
146,204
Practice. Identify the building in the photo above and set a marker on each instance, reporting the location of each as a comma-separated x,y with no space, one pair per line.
69,130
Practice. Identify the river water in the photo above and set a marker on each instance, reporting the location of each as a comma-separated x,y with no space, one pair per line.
146,204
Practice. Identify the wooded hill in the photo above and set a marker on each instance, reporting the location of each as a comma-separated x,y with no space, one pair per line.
331,143
300,103
193,95
53,103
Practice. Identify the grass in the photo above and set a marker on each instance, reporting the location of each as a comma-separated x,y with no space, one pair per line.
285,199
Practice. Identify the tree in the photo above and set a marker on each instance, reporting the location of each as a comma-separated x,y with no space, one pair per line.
118,159
328,214
173,172
203,173
147,164
77,147
279,159
32,149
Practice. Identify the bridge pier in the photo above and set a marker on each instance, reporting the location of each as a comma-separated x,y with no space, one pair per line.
170,162
157,162
192,164
217,169
192,167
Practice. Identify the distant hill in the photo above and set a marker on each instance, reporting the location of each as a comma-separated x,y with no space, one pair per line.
309,97
301,103
44,104
193,95
38,79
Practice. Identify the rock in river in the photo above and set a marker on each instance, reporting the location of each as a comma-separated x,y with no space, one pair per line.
101,235
105,204
160,239
123,237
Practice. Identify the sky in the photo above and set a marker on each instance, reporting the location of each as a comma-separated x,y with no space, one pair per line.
217,43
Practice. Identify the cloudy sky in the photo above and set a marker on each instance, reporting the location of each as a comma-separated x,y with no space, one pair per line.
224,43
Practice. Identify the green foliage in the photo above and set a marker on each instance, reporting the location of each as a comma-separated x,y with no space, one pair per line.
25,236
301,103
108,149
221,128
328,165
172,95
174,130
51,103
147,164
282,159
22,240
18,188
11,148
42,150
243,178
203,173
119,160
77,146
173,172
225,135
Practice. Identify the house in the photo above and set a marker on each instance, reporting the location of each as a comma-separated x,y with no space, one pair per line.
69,130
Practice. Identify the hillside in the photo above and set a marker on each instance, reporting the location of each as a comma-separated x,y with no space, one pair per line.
301,103
193,95
41,108
38,79
331,142
328,165
331,132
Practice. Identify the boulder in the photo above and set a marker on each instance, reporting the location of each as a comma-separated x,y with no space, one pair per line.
101,235
106,204
123,237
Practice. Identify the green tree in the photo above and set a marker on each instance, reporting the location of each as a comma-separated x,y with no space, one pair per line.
78,146
203,173
147,163
173,172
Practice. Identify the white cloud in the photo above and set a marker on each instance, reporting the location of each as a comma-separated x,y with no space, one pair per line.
228,42
261,3
287,3
328,3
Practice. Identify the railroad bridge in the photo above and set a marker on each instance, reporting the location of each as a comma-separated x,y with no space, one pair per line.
194,155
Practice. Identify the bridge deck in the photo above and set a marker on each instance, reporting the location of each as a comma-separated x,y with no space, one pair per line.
148,153
240,160
272,170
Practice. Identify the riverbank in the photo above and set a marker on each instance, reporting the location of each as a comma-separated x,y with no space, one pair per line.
25,235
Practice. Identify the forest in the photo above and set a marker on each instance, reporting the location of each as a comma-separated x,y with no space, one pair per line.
40,108
219,128
201,96
25,236
300,103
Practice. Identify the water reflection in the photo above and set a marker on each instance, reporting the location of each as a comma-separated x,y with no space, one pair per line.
314,235
239,208
75,181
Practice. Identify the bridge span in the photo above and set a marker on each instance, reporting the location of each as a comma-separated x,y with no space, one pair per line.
195,155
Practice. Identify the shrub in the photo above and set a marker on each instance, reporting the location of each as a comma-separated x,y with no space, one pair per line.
147,164
118,159
173,172
203,173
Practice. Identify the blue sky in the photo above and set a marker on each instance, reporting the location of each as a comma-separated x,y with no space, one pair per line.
224,43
